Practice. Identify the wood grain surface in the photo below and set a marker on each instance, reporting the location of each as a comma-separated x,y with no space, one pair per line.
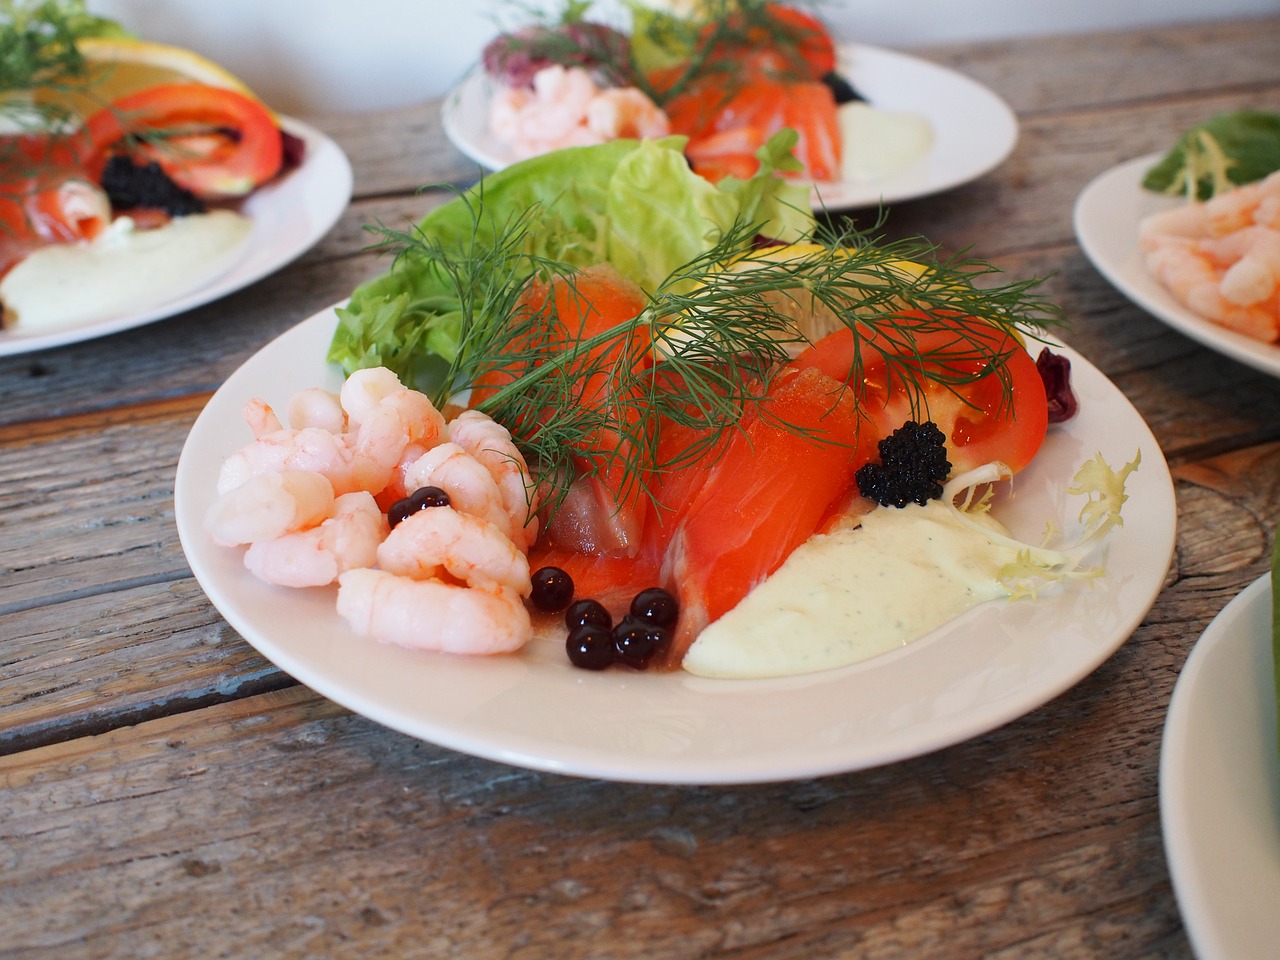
167,792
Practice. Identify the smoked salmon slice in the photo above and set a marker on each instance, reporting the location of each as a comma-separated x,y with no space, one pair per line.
764,496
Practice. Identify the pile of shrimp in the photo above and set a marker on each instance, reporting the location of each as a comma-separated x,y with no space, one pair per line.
1221,258
309,502
566,108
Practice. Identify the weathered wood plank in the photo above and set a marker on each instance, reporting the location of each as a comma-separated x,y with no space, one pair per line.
110,659
110,837
1057,74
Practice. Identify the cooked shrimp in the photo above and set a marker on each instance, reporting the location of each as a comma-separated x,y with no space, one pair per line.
466,547
1250,259
345,540
626,112
469,484
316,407
490,443
1221,258
260,418
566,108
364,390
269,505
387,417
401,420
1242,206
1195,280
312,449
431,614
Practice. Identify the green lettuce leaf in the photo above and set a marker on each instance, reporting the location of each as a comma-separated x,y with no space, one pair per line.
1228,150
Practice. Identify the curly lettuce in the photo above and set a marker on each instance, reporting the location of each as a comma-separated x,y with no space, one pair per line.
1035,567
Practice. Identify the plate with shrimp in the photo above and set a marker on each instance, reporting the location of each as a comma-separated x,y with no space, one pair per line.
286,218
972,129
1109,216
532,708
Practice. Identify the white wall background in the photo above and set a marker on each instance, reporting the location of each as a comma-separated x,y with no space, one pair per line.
308,56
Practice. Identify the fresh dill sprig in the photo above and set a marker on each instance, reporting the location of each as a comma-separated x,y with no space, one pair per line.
702,352
38,46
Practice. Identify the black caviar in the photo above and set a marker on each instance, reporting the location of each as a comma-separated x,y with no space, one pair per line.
913,466
130,185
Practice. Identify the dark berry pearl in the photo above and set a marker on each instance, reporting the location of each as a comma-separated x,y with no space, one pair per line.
636,641
657,606
420,499
552,589
590,647
587,611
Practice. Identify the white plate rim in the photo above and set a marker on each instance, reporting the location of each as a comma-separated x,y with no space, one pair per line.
975,129
1106,217
290,216
676,747
1222,920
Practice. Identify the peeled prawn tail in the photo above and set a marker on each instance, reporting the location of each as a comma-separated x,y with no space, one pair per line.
260,418
432,615
269,505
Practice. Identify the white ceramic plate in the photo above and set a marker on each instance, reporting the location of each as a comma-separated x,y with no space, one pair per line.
289,217
535,710
974,129
1107,214
1220,785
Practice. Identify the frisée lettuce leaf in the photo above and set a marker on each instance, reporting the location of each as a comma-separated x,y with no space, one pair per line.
634,204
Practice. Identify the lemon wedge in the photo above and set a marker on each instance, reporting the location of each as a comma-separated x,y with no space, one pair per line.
119,66
814,319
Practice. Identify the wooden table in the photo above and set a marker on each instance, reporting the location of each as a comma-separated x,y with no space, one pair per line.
167,792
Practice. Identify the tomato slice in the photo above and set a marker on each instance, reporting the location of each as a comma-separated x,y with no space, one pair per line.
980,386
217,143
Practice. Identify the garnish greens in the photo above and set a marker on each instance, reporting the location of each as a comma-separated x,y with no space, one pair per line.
1226,151
719,324
1037,567
38,51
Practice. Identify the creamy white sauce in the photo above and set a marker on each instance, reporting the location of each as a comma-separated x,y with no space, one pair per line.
854,594
121,271
879,143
